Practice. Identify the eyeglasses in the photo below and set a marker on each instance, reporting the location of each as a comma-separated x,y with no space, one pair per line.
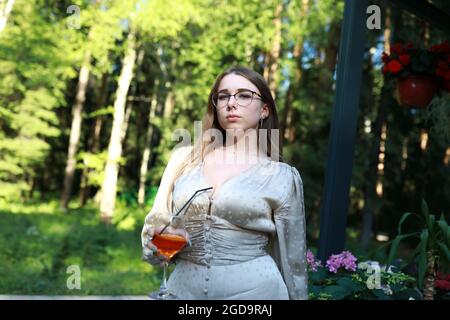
243,98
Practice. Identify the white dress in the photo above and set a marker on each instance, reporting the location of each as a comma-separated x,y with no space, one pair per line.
248,242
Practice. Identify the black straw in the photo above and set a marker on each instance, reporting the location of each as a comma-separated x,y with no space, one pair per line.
179,211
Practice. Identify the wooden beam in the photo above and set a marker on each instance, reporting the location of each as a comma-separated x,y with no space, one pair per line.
426,11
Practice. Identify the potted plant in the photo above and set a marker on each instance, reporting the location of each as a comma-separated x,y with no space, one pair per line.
433,246
413,69
343,278
442,71
442,286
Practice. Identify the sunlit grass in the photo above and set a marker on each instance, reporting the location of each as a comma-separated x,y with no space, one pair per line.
38,242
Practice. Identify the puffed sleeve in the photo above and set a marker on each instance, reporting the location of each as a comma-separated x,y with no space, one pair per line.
289,242
160,213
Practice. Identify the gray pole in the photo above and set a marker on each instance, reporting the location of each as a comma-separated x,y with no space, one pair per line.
343,130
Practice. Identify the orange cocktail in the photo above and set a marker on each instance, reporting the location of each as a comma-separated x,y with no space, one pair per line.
169,244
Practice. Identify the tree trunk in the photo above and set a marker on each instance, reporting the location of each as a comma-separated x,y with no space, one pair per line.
428,284
271,68
331,52
169,104
109,187
94,140
84,190
4,13
75,130
147,150
371,173
287,127
132,99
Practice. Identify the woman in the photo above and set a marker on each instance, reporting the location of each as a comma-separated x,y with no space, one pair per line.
247,233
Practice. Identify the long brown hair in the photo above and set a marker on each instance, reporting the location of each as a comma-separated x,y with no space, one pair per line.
210,121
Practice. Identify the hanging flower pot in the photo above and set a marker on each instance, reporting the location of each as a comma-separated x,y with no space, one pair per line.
416,90
413,70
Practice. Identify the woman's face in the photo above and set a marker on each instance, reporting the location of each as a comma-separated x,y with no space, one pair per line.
246,116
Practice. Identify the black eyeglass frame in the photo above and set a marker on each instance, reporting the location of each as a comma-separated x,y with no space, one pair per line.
216,96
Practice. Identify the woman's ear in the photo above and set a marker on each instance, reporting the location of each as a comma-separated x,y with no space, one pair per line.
265,111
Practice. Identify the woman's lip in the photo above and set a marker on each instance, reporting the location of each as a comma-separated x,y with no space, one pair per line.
232,118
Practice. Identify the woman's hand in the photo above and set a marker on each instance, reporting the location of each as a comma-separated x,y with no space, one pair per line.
150,251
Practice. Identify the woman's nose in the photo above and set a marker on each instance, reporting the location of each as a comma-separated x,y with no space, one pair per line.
232,101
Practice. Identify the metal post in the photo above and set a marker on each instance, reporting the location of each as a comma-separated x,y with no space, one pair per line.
343,130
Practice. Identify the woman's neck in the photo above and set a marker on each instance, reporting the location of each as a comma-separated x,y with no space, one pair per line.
240,152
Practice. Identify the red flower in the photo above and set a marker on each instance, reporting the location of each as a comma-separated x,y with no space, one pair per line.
442,65
394,66
440,72
442,284
443,47
405,59
384,57
442,276
447,75
386,69
409,45
397,49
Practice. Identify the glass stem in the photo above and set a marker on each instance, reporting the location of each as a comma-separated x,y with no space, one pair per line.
163,288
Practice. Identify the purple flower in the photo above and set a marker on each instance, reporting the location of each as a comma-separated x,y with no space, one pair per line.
345,259
312,262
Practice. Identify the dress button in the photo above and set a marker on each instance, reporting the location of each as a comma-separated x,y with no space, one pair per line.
205,291
207,279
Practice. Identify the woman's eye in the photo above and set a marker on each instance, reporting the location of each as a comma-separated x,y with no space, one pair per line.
245,96
222,97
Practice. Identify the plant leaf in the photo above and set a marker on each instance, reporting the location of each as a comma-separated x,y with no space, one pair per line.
444,249
396,243
337,292
422,257
445,228
403,218
428,217
425,209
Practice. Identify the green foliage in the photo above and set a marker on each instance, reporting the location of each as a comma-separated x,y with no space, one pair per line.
186,44
438,113
360,285
160,19
38,243
95,163
34,66
433,236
